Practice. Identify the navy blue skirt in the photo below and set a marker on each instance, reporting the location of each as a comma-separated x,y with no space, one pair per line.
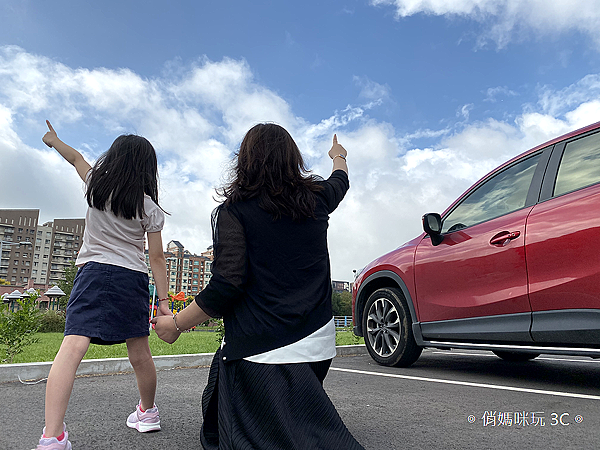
109,304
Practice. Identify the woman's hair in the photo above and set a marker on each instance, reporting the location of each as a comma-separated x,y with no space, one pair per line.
270,167
122,176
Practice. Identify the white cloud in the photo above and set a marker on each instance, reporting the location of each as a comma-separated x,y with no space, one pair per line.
31,178
557,102
393,183
506,20
371,90
194,121
196,116
464,111
492,94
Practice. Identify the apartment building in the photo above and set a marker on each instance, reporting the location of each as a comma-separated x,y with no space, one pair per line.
42,254
34,252
17,232
38,254
186,272
67,238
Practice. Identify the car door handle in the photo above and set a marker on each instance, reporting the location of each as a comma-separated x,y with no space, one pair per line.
504,236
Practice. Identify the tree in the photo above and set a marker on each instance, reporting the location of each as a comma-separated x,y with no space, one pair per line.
66,285
18,328
341,303
3,282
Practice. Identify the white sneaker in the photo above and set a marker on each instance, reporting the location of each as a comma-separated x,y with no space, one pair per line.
148,420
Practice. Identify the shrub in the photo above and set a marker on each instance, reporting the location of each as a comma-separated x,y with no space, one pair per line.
18,328
220,330
52,322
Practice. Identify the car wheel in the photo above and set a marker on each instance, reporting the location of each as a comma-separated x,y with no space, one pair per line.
387,326
516,356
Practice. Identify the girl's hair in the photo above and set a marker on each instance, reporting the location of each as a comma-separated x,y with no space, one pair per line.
270,167
122,176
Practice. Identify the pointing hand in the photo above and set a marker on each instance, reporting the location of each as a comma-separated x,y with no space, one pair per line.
50,137
336,149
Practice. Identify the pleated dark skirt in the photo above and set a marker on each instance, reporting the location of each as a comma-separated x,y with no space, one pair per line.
250,406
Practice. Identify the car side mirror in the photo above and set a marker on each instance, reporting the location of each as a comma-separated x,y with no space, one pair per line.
432,225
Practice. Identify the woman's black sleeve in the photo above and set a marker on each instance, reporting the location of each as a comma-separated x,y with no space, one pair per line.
225,287
334,189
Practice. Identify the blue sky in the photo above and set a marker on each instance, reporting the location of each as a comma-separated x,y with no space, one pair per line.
426,95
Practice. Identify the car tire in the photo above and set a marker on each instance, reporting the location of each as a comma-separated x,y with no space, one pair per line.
516,356
387,328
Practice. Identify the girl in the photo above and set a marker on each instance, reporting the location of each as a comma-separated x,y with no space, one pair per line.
109,300
271,284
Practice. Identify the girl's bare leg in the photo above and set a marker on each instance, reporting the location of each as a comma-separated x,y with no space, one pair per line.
143,366
60,381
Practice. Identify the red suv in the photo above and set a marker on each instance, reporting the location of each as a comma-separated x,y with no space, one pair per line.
512,266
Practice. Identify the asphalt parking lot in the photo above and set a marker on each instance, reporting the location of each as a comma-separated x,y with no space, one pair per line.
447,400
470,400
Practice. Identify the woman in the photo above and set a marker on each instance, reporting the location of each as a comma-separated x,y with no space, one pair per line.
271,284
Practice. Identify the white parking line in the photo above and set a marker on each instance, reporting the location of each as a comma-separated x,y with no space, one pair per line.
593,361
467,383
539,358
487,355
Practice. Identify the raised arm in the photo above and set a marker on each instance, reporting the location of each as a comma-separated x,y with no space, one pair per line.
69,153
338,155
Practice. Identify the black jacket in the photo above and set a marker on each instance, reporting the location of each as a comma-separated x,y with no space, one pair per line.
271,279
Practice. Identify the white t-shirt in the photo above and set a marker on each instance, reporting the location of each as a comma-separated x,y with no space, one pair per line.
110,239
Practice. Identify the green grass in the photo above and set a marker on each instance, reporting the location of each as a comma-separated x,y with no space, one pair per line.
346,337
194,342
47,347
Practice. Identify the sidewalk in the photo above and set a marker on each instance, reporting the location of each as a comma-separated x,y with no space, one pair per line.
40,370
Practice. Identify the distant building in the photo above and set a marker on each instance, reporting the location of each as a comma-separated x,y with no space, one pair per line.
35,255
67,238
186,271
209,253
341,286
43,251
17,232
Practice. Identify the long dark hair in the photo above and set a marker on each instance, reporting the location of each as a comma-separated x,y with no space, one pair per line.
269,167
122,176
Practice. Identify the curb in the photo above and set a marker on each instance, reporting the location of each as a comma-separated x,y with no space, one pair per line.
40,370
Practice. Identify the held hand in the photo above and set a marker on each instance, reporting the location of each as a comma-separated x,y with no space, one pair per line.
163,309
165,328
336,149
50,137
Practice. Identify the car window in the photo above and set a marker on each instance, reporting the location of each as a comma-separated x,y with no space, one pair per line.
502,194
579,166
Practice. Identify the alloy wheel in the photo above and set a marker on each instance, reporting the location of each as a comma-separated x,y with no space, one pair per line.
383,327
